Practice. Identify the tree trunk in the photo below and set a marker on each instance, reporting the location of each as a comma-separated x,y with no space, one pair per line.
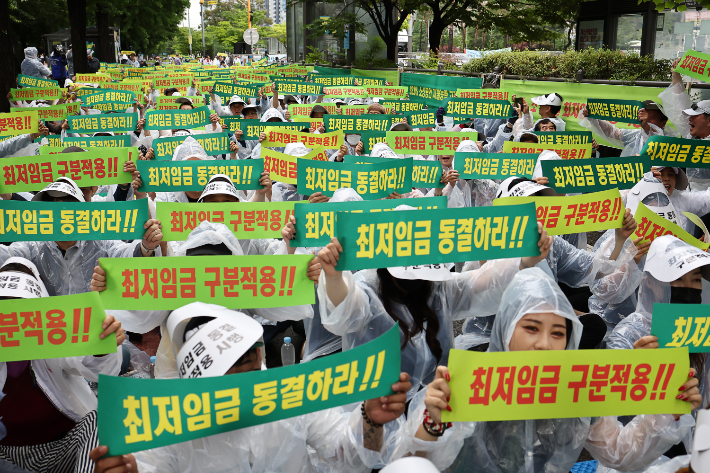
77,21
475,43
436,29
8,71
463,39
451,38
484,39
104,49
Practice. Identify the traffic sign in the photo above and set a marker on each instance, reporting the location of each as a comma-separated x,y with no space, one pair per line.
251,36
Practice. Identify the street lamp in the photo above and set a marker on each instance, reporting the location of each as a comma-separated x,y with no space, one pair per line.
202,20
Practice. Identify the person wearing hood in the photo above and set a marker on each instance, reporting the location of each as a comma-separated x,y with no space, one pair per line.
271,115
243,148
361,306
31,66
534,314
46,405
94,64
676,183
346,440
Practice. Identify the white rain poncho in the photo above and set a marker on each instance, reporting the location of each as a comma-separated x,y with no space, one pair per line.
697,203
468,192
281,191
487,128
31,66
265,117
362,317
547,155
547,445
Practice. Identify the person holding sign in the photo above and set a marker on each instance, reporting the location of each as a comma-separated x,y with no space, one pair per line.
548,107
676,183
14,144
48,408
535,315
271,115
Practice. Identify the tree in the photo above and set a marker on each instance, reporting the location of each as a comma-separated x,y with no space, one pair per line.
8,72
277,31
77,19
144,25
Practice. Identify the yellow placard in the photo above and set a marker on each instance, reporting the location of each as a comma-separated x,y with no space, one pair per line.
580,151
283,167
652,225
18,123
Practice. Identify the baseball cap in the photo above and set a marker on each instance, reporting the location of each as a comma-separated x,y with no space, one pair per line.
219,184
550,99
651,105
236,99
702,107
669,258
681,179
516,186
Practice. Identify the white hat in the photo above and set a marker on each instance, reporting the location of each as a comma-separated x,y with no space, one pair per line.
60,188
698,108
550,99
401,126
546,155
669,258
236,99
382,150
681,179
411,465
653,195
212,348
516,186
425,272
296,149
20,285
700,454
219,184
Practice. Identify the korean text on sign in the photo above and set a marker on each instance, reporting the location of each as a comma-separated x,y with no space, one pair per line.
580,151
277,137
593,175
172,176
478,108
18,123
694,64
625,111
652,225
494,165
426,142
116,122
673,151
682,326
177,119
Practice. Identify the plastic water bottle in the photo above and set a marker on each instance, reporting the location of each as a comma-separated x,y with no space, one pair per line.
288,352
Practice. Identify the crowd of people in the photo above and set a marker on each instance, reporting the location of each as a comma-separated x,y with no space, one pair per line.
570,296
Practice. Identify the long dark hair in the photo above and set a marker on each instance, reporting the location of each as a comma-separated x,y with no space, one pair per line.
418,304
697,361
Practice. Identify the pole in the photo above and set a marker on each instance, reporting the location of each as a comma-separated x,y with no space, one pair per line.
249,12
189,29
202,19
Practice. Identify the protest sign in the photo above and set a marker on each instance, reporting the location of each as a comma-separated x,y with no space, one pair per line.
91,78
399,106
180,176
227,90
253,77
236,282
392,78
673,151
251,129
19,123
72,221
116,122
213,144
29,94
205,86
652,225
486,94
580,151
51,327
345,91
371,181
679,326
626,111
434,90
297,109
90,168
575,214
315,223
51,113
31,81
170,103
694,64
387,91
279,138
422,119
247,220
125,98
170,82
426,142
133,413
354,109
593,175
360,123
564,137
425,173
435,236
299,88
284,167
573,383
332,81
370,138
494,165
177,119
478,108
118,141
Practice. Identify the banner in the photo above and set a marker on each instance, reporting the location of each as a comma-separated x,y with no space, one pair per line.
253,128
435,236
315,223
387,91
133,413
30,81
478,108
297,109
676,151
371,181
279,138
694,64
564,137
652,225
284,167
332,81
72,221
399,106
116,122
588,175
19,123
236,282
563,151
205,86
89,168
360,123
487,94
433,89
227,90
626,111
213,143
125,98
51,113
247,220
314,123
495,165
370,138
28,94
519,385
51,327
345,91
298,88
575,214
118,141
253,77
180,176
427,142
177,119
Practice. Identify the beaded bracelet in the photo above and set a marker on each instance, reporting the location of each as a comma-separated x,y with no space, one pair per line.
432,428
367,419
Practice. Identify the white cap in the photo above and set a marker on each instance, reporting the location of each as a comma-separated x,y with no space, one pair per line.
550,99
700,454
296,149
669,258
60,188
516,186
425,272
698,108
653,195
219,184
20,285
411,465
236,99
401,127
382,150
681,179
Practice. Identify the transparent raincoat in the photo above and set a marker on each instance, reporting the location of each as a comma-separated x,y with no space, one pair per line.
631,141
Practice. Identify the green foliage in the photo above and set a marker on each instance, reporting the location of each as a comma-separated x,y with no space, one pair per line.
373,55
315,55
228,24
606,64
679,5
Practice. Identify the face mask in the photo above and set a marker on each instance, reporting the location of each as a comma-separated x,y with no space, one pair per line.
686,295
352,140
412,286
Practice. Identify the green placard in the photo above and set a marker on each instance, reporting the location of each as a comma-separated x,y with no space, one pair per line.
109,97
116,122
177,119
345,91
72,221
370,138
399,106
368,81
651,225
236,282
427,142
132,412
253,128
30,81
227,89
694,64
494,165
574,214
433,89
297,109
564,137
558,384
213,144
118,141
19,123
478,108
279,138
594,175
421,119
248,220
332,81
176,176
90,168
29,94
427,174
52,327
435,236
315,223
677,152
625,111
299,88
361,123
681,326
51,113
253,77
371,181
169,103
